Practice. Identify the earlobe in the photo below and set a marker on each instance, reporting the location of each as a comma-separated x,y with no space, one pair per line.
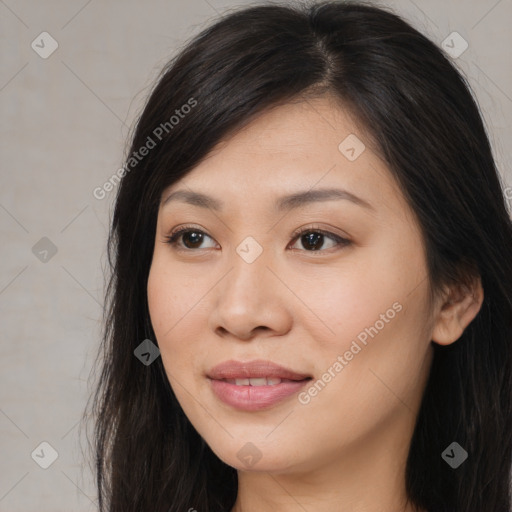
458,309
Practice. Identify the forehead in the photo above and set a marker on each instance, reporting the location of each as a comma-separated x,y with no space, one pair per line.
299,129
298,146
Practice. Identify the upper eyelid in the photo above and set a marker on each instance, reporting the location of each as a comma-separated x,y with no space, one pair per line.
295,233
317,228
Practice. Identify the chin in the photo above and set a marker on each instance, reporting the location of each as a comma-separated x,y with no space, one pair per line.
249,457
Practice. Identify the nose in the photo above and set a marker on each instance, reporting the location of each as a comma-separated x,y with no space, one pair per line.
250,300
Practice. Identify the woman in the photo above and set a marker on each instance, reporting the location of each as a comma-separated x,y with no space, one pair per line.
311,229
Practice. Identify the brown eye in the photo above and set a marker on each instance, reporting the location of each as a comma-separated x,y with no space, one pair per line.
311,240
191,238
315,240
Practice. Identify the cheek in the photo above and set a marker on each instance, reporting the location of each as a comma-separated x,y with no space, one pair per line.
343,303
170,296
377,362
174,308
375,316
166,306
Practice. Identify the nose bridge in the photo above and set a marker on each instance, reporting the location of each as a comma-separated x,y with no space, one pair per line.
249,296
249,275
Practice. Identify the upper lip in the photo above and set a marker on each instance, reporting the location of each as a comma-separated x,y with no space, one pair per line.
253,369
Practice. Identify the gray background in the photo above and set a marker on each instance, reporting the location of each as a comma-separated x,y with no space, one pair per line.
65,120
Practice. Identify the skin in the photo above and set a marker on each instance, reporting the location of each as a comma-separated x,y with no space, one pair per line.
302,309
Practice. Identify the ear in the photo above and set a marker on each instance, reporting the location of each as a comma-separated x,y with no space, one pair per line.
459,306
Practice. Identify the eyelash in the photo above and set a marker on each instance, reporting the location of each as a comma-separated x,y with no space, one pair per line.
341,242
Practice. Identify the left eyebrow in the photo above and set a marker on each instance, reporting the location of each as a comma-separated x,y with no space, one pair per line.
324,194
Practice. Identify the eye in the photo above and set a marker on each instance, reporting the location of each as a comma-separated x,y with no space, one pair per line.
313,239
192,238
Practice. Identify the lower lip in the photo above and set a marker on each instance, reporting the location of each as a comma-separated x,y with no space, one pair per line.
254,398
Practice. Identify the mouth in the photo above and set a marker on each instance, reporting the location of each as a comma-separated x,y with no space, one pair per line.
254,385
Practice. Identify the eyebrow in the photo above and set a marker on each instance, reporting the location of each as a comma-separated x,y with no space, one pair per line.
288,202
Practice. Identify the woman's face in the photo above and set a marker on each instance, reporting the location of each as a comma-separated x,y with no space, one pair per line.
345,303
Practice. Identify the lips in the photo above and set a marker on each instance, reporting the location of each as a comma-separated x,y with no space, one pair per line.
254,385
256,369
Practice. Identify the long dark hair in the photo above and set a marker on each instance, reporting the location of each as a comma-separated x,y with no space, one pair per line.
419,113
